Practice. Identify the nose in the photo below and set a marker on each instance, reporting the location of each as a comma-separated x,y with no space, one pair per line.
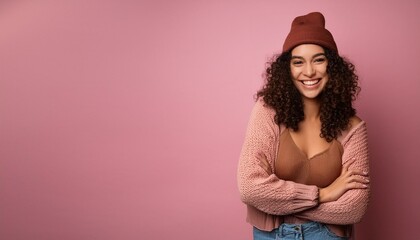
309,70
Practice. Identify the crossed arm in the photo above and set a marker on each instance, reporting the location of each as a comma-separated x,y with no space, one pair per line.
345,200
342,202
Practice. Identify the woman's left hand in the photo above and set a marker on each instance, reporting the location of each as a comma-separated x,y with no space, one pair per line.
349,179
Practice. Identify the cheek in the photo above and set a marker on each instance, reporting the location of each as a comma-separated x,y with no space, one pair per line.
324,70
295,83
294,73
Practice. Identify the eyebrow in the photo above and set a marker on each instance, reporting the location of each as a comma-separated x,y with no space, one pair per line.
314,56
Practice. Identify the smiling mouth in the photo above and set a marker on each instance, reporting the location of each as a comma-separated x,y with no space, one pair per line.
310,82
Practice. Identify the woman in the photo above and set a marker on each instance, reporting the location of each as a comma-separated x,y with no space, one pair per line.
303,169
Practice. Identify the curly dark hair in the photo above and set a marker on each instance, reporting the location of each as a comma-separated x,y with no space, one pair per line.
336,99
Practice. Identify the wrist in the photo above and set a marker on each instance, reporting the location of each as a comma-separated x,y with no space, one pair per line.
321,195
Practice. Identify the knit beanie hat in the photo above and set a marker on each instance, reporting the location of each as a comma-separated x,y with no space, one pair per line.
309,28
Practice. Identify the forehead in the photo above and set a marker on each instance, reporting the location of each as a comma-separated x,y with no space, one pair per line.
307,50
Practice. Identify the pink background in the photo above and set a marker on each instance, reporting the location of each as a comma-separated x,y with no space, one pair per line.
125,119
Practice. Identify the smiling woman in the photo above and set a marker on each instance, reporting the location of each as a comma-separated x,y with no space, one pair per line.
303,170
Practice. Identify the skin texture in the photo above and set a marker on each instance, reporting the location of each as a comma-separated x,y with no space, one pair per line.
308,68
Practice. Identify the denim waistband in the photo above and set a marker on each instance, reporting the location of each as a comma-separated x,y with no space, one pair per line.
288,231
305,227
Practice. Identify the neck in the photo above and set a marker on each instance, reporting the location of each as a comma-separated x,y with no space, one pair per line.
311,109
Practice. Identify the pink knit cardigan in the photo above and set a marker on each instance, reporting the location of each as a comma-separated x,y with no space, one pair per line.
268,198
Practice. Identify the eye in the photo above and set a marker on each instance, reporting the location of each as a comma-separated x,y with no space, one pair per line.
297,62
319,60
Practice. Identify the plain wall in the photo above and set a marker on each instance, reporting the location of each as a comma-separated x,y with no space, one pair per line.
125,119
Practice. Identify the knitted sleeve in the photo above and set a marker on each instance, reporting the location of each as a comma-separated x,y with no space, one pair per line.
350,207
257,188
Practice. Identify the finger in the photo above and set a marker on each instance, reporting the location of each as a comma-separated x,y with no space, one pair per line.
358,179
267,166
261,155
264,165
264,161
345,168
356,185
358,172
348,163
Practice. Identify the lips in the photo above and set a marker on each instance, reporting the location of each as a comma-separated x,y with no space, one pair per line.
310,82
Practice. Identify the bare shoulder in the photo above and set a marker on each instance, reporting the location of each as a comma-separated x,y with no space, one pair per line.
353,122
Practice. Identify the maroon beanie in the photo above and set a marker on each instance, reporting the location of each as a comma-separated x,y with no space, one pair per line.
309,28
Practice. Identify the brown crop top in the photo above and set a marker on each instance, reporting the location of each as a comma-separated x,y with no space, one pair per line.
321,170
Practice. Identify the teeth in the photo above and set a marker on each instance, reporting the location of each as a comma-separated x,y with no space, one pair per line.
310,82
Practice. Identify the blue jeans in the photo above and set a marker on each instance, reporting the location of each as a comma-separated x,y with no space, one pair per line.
306,231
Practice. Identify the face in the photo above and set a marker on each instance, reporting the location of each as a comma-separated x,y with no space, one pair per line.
309,70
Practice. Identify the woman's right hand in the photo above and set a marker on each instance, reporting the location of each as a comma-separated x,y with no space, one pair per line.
349,179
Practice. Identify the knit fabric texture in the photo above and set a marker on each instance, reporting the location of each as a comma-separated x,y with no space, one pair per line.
268,198
309,28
